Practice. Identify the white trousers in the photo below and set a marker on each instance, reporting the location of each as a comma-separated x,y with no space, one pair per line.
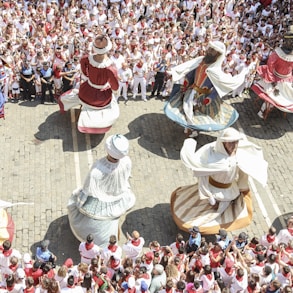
122,87
142,82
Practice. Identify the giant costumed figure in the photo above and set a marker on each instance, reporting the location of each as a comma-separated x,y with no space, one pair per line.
275,86
105,196
199,85
99,109
221,197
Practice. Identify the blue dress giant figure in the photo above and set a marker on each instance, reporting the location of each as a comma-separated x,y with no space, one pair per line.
199,85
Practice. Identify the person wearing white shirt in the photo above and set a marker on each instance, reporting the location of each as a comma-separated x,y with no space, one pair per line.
133,247
239,281
125,79
139,78
88,250
286,234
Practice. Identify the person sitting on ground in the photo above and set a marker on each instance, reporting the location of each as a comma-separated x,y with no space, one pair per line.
44,255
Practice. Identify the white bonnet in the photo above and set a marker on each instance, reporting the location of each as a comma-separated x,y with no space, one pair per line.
230,134
117,146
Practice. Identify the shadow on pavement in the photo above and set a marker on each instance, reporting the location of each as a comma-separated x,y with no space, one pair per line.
155,221
281,222
157,134
58,126
62,242
274,127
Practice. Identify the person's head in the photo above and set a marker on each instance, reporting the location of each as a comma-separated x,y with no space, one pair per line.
101,45
113,239
10,280
207,269
158,269
70,280
274,285
62,271
117,147
87,281
29,282
6,245
240,273
223,234
288,41
45,282
214,51
290,223
194,231
287,289
54,287
89,238
180,286
267,270
82,267
230,138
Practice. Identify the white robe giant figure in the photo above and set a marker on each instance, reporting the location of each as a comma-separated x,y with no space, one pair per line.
221,198
105,196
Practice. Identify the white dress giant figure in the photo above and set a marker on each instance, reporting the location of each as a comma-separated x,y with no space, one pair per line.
105,196
221,197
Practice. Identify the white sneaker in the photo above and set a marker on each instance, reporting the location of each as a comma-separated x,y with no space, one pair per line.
212,201
145,99
134,97
260,114
193,134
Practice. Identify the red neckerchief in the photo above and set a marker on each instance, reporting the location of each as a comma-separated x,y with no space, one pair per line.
148,261
271,238
112,247
7,252
238,278
29,290
89,246
250,290
145,276
13,267
10,288
71,287
209,276
135,242
177,245
114,264
252,245
287,275
168,290
139,65
131,290
260,264
229,271
290,230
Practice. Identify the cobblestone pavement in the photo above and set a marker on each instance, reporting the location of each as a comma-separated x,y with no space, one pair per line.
45,158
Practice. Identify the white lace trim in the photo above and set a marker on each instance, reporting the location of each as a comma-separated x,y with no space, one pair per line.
104,64
283,55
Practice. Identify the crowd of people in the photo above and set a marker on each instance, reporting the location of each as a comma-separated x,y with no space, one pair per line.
43,41
239,264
